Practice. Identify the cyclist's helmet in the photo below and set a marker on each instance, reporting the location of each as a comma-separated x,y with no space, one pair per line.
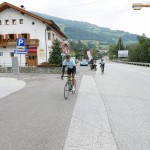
67,56
101,59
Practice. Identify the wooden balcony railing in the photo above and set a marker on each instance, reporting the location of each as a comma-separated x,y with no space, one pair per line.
30,42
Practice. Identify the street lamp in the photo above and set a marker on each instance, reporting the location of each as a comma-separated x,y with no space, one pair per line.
139,6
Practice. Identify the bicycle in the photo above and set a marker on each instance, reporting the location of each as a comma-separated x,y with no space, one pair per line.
102,68
69,87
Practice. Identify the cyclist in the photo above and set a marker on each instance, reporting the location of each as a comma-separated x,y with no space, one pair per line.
71,68
102,64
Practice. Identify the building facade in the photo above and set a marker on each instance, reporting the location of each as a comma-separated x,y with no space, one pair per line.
38,33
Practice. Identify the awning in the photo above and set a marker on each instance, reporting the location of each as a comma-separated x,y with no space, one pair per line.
32,50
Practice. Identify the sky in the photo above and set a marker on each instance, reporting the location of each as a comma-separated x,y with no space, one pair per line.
113,14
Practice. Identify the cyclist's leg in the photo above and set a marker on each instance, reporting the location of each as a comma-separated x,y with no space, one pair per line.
73,72
69,75
73,80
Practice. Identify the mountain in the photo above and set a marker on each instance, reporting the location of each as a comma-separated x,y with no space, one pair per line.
77,30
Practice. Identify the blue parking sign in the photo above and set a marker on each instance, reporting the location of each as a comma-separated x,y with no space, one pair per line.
21,42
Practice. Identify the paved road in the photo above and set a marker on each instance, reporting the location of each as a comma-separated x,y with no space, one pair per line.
112,114
125,90
37,117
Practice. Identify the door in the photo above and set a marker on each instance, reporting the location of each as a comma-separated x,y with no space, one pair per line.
31,57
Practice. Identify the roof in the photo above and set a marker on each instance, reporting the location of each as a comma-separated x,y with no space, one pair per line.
6,5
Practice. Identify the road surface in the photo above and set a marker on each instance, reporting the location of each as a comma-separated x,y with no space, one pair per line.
38,118
125,90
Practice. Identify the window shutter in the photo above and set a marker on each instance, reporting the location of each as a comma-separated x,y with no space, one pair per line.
15,36
1,37
7,36
19,35
28,36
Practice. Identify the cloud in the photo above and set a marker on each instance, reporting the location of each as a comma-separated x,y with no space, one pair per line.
114,14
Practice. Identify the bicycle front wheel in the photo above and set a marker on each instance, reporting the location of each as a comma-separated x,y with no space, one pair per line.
66,90
74,89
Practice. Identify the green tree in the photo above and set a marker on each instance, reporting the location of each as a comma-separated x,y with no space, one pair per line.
55,57
113,52
120,45
141,51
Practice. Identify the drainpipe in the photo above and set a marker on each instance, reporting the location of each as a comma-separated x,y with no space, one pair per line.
46,43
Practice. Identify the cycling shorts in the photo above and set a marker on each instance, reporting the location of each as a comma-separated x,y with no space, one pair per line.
71,71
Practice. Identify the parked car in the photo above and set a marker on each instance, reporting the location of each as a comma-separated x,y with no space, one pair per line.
84,62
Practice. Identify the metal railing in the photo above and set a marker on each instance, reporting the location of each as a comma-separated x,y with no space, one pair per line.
133,63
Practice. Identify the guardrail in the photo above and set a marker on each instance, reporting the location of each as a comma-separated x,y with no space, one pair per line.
133,63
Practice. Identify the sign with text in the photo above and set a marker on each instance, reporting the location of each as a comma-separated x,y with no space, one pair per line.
18,51
122,53
89,55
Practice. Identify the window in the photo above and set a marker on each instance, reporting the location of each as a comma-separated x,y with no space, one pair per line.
11,54
7,22
11,36
24,35
14,22
33,57
1,53
21,21
0,22
53,36
49,36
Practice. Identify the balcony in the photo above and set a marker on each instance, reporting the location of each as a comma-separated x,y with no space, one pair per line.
30,42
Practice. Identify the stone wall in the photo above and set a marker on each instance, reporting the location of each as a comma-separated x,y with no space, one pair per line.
44,70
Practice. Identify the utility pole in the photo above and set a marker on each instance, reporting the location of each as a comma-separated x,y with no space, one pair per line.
91,35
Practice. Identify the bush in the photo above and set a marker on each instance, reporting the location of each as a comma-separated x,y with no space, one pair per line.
46,64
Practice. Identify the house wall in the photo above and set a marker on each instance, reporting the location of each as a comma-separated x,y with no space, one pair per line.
5,59
36,31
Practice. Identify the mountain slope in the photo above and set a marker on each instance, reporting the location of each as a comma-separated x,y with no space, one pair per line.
78,30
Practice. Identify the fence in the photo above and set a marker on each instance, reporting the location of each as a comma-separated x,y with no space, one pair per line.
133,63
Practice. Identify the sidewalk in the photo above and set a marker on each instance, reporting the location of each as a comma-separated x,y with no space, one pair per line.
10,85
89,128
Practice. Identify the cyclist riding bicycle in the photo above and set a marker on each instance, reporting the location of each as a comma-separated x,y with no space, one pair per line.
71,68
102,64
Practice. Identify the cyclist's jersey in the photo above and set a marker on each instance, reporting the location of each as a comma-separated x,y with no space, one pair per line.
69,64
102,63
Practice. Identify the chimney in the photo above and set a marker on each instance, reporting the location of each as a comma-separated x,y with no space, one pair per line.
22,7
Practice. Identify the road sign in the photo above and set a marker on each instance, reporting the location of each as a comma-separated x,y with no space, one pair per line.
20,43
25,51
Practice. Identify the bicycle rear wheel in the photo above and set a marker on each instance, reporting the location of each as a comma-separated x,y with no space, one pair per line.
66,90
102,69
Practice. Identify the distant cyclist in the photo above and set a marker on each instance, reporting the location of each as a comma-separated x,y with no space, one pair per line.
71,68
102,65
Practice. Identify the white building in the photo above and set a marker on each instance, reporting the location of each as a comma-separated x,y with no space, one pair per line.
38,32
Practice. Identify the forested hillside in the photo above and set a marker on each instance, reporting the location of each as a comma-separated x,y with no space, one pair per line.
77,30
